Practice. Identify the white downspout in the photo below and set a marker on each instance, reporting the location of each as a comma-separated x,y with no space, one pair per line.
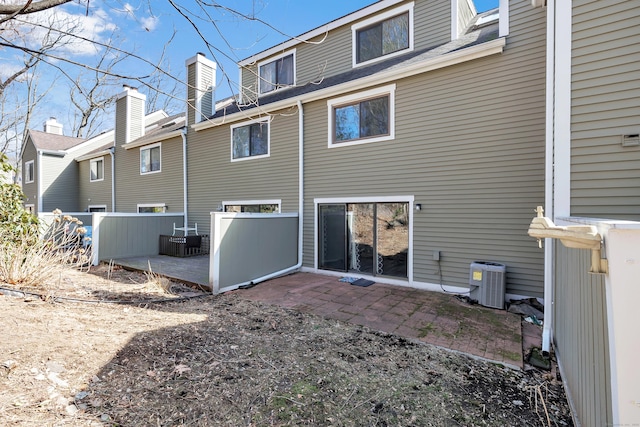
113,179
184,179
38,170
300,201
549,259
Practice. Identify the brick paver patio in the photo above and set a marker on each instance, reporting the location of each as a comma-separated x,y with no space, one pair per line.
431,317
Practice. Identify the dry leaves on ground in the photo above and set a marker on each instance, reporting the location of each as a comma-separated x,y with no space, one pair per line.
223,360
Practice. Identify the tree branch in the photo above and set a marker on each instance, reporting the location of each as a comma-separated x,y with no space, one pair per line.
30,7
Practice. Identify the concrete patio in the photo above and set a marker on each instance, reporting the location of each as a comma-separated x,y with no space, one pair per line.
434,318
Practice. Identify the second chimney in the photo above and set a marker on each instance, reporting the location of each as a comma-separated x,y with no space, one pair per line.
130,111
52,126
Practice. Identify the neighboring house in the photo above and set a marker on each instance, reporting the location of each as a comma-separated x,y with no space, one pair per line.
146,154
50,174
593,176
408,135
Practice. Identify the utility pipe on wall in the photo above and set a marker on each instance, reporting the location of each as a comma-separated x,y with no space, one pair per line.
184,179
113,179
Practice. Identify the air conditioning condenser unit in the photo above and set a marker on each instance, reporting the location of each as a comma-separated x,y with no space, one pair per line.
487,283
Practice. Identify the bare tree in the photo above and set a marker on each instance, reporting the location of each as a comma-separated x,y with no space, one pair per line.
93,92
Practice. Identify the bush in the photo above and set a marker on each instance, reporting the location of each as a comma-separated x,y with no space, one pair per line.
15,222
31,252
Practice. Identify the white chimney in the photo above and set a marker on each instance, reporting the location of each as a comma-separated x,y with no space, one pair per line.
130,112
201,85
52,126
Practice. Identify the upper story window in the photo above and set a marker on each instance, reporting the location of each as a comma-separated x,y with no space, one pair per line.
250,140
29,172
384,35
150,159
277,73
96,169
363,117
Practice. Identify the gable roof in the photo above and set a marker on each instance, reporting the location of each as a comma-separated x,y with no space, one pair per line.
52,142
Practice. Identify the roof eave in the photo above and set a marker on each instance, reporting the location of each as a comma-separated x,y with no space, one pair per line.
324,29
90,156
482,50
159,138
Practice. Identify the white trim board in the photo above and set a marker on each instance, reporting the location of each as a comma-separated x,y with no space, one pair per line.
368,199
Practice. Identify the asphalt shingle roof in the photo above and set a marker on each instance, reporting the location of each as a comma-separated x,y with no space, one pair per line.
49,141
472,38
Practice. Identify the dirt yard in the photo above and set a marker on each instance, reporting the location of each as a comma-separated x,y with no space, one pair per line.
105,349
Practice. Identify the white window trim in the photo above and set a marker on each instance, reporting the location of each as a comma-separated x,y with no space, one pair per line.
33,172
272,59
247,123
374,20
148,147
151,205
97,206
91,162
371,93
253,202
381,199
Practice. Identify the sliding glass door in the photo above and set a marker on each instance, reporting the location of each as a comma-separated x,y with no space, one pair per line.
367,238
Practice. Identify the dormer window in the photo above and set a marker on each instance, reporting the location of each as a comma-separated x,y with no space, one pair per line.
277,73
384,35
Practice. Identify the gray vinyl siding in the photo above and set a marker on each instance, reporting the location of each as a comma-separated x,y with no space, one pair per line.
136,119
120,134
191,94
59,181
331,54
605,104
208,80
213,178
30,190
165,186
580,336
470,151
97,192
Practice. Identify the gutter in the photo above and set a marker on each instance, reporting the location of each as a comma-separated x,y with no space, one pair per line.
392,75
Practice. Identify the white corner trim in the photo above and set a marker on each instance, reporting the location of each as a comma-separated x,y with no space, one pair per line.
504,18
454,20
562,110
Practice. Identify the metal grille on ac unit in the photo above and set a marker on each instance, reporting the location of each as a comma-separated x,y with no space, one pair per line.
487,282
